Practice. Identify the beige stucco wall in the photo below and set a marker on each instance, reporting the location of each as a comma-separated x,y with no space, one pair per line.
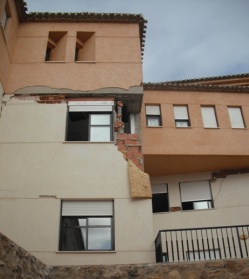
230,196
39,169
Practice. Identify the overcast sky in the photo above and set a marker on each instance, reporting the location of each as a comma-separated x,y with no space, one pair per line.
184,39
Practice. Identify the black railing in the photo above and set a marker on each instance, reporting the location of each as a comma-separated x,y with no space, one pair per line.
202,244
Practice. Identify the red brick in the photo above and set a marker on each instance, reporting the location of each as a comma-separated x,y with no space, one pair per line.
122,136
137,155
129,155
121,147
134,148
133,136
120,142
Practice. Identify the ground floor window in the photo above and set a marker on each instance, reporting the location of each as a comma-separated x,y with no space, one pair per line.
196,195
87,226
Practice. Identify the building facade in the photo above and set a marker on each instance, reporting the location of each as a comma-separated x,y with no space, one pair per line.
94,162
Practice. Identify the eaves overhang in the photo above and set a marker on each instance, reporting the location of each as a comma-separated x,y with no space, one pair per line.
175,86
117,18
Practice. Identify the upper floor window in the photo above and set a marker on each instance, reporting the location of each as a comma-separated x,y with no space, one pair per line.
181,116
87,226
196,195
85,46
56,46
209,117
90,121
236,117
153,115
160,201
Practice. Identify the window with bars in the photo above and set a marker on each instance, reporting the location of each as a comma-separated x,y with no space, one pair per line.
153,115
181,116
87,226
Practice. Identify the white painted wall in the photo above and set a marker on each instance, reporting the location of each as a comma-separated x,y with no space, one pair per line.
36,163
230,196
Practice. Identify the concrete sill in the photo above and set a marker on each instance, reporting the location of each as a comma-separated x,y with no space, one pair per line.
89,62
85,252
212,128
88,142
154,126
55,61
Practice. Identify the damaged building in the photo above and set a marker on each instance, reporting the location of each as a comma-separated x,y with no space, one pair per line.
98,167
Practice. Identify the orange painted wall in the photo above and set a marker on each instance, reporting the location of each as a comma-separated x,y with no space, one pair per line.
117,57
195,140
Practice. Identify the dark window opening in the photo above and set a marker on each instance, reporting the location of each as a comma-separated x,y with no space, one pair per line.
48,53
197,205
88,126
126,120
160,203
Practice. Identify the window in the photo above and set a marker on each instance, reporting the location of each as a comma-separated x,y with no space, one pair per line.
196,195
85,46
181,116
236,118
153,115
56,46
160,202
209,117
90,121
86,226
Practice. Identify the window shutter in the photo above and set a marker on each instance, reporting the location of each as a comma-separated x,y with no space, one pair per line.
87,208
152,110
208,116
158,189
236,118
91,106
195,191
181,112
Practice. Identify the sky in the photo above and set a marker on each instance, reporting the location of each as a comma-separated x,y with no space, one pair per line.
185,39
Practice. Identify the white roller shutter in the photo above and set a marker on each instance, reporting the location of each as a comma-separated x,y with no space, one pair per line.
209,118
89,106
87,208
152,110
181,112
195,191
236,118
158,189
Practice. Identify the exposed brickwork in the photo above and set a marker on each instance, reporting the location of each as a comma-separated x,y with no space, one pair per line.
51,99
131,148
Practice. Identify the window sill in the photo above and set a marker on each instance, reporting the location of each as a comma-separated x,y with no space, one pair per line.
215,128
239,128
86,252
88,142
55,61
154,126
196,210
189,127
87,62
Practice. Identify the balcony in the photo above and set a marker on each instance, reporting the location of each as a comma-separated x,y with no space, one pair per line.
202,244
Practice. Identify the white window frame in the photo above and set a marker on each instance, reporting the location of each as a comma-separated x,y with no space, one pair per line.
153,115
236,117
181,116
209,117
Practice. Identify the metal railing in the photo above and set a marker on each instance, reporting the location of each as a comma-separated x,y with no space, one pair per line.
202,244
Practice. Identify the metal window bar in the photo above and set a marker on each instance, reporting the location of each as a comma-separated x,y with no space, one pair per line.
197,244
